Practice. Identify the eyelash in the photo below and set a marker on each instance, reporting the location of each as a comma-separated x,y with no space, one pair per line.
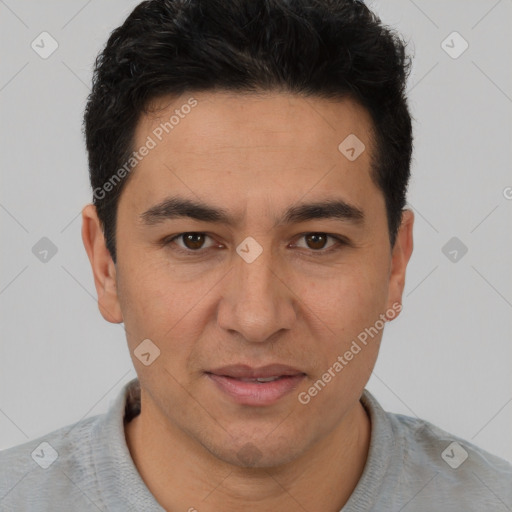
189,252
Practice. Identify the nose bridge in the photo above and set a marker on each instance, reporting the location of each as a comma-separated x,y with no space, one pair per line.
255,279
258,304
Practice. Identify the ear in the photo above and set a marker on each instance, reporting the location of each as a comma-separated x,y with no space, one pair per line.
400,256
103,266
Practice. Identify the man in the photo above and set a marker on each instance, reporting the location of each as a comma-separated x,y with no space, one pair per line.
249,164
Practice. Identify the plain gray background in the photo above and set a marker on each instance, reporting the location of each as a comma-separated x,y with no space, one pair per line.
447,358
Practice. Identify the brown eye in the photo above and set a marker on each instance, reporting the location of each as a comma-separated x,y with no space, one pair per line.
189,243
193,241
316,241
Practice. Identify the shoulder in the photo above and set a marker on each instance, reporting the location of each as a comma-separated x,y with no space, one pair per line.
84,466
414,465
441,465
52,468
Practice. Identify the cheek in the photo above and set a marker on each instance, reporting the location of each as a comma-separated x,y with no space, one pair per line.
157,305
349,300
145,300
347,313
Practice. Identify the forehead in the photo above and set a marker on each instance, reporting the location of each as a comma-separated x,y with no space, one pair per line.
271,120
241,146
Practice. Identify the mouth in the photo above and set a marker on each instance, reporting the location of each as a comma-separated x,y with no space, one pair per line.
262,386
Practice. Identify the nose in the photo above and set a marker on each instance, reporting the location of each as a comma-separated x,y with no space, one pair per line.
256,302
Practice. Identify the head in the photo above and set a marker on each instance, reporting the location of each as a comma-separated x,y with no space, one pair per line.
275,137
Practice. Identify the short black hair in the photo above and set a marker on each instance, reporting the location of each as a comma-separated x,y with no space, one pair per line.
331,49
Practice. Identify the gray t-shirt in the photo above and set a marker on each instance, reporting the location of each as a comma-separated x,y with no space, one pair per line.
412,466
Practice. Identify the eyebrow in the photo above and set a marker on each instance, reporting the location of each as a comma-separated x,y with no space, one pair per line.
177,207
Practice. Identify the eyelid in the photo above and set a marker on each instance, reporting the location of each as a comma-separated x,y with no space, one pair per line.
171,239
340,241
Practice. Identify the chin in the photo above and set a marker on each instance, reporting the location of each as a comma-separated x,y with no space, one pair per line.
258,453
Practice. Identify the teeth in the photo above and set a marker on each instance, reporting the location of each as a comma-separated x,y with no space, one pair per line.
261,379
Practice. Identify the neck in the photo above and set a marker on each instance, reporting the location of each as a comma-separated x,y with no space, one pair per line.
182,475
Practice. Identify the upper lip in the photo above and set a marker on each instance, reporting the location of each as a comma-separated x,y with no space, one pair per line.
242,371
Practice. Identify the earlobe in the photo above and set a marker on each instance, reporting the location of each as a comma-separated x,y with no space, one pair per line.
400,257
103,267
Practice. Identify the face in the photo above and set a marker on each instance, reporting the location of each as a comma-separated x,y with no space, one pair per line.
264,287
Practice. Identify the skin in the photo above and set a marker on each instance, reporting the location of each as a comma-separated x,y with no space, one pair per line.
254,156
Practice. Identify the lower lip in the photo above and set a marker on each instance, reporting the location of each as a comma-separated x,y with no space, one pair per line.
254,393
